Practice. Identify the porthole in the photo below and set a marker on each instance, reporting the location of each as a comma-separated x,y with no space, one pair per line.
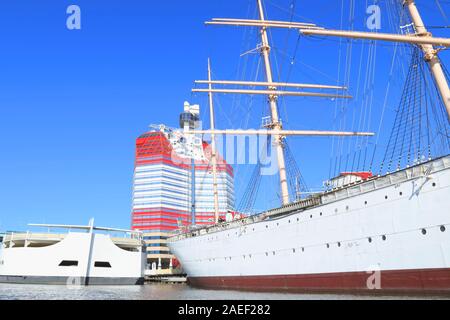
293,250
267,254
384,238
434,184
310,216
298,219
328,245
267,226
347,207
424,231
386,197
370,240
365,202
400,193
278,224
273,252
289,221
321,214
339,244
442,229
303,249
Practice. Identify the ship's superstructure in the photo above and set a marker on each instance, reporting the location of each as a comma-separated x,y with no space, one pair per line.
365,231
85,255
173,183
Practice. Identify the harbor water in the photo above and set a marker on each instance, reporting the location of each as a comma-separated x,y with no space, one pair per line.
157,291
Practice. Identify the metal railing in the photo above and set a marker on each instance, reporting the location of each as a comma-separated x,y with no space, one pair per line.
421,170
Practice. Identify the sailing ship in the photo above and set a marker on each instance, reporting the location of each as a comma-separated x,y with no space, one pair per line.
365,231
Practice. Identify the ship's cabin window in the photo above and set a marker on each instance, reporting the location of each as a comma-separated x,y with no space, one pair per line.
442,229
68,263
102,264
434,184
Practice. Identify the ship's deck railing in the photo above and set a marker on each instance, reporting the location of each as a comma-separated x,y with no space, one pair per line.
296,206
30,239
25,239
378,182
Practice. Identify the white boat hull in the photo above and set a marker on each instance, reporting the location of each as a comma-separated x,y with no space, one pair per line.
394,238
96,262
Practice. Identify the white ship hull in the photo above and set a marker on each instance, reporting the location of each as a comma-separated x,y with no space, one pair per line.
71,259
391,233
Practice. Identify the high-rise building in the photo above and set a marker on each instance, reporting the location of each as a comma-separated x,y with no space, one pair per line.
173,185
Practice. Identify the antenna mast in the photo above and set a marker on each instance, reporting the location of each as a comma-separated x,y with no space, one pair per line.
276,123
213,147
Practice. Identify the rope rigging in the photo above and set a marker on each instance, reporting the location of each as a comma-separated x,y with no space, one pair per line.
249,197
417,134
296,181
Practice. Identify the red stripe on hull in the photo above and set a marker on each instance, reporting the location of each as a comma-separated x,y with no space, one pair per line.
401,281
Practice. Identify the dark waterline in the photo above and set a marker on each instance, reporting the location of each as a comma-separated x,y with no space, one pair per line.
163,292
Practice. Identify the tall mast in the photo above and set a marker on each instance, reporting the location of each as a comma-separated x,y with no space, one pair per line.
431,56
276,124
213,147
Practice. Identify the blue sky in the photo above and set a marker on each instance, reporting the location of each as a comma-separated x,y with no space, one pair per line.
73,102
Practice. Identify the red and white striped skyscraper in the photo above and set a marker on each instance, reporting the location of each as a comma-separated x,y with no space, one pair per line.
173,184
